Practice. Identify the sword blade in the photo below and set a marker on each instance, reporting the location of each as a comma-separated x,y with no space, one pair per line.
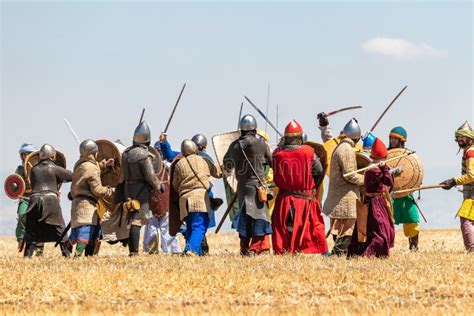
72,131
174,109
263,115
344,109
388,107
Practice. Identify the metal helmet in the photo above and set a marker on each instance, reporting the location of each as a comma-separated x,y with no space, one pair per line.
47,152
465,130
142,134
368,140
188,147
88,147
26,148
304,136
352,129
248,123
200,140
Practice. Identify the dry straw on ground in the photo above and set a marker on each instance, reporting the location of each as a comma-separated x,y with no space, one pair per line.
437,280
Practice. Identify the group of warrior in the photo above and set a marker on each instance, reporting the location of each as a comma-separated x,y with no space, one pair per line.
277,197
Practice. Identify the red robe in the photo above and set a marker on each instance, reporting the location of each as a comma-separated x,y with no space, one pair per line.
292,170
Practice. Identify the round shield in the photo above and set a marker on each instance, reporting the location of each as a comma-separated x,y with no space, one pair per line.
363,160
14,186
412,172
320,151
109,150
33,159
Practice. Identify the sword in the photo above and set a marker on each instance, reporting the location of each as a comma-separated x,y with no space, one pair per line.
388,107
227,211
72,131
174,109
263,115
344,109
240,115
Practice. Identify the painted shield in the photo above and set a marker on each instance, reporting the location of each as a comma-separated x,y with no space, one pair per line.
320,151
412,172
363,160
33,159
15,186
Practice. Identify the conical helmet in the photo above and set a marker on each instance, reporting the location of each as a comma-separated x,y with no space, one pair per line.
142,134
47,152
352,129
248,123
465,130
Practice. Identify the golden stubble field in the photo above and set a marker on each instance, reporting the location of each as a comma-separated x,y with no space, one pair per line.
438,279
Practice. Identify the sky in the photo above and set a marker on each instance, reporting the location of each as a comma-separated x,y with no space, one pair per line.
99,63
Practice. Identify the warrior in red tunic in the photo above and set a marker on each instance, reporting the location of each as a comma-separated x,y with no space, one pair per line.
297,222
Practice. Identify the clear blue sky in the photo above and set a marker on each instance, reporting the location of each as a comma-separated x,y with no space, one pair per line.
99,63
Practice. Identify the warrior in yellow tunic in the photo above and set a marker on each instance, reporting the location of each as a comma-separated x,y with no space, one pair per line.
465,139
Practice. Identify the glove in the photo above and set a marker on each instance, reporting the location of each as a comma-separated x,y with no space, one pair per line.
396,171
323,119
448,184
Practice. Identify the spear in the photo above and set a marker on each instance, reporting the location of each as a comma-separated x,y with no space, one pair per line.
388,107
264,116
174,109
378,164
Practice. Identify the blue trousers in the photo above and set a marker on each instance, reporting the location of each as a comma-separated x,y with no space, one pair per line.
196,228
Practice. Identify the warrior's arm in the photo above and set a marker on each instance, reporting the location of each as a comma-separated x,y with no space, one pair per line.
349,164
228,162
468,177
149,173
387,178
316,168
268,156
214,169
96,187
63,175
326,133
168,153
122,164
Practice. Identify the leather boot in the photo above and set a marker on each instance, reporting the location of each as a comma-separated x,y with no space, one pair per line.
413,243
29,250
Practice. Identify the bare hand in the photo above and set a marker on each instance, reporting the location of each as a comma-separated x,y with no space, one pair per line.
163,137
110,162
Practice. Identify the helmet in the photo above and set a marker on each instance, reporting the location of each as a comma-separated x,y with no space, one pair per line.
26,148
47,152
88,147
400,133
352,129
188,147
142,134
368,140
200,140
293,129
465,130
248,123
379,150
304,136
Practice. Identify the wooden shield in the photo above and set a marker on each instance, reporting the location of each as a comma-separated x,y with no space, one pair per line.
412,172
363,160
33,159
108,150
221,144
320,151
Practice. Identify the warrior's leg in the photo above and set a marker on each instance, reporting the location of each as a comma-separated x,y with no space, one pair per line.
341,246
80,247
205,246
467,229
169,244
39,249
134,240
199,223
150,243
29,250
412,231
244,245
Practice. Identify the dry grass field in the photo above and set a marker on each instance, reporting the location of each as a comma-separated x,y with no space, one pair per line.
436,280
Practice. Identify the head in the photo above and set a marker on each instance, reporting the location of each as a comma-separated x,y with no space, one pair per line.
378,151
293,133
47,152
142,134
464,136
188,147
398,137
201,141
88,147
352,130
25,150
248,124
367,141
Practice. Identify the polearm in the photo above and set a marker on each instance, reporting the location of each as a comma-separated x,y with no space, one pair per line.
141,117
240,115
72,131
268,105
174,109
427,187
377,164
388,107
264,117
419,210
227,211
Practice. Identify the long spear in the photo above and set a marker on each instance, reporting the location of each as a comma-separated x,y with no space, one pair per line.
72,131
174,109
264,116
377,164
240,115
427,187
388,107
268,104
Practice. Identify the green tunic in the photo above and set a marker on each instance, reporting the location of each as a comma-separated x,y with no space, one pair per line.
405,210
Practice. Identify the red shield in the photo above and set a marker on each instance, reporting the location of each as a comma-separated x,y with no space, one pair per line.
14,186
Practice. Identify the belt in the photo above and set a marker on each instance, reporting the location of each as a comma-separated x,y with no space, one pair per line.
373,194
87,197
303,194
